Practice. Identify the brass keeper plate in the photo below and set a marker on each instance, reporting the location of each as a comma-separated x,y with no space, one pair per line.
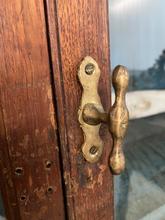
89,74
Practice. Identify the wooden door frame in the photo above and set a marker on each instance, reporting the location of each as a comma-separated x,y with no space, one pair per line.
77,29
30,180
43,44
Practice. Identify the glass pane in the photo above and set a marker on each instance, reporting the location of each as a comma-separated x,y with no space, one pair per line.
137,36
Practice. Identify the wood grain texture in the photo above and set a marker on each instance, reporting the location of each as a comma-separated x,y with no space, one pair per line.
79,28
29,154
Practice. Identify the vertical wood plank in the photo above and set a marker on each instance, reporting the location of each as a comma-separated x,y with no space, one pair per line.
6,181
79,28
30,168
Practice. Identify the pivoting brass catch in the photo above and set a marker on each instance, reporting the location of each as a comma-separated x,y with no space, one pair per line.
91,113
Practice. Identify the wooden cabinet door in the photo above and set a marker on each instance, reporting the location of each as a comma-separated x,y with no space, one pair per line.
77,29
44,175
29,151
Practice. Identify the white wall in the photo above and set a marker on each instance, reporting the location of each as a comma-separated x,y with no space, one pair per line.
137,32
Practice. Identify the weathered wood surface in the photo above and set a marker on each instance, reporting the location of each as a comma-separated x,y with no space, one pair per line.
77,29
29,155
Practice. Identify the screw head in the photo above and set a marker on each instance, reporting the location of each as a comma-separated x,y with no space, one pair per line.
89,68
93,150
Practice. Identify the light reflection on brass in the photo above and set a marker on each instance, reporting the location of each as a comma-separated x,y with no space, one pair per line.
118,118
91,115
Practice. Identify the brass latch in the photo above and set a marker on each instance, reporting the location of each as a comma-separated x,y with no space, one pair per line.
91,113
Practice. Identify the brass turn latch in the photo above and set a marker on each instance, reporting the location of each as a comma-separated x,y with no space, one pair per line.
91,113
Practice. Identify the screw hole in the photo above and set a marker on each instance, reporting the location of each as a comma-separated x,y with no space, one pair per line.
50,190
19,171
89,179
48,164
23,197
93,150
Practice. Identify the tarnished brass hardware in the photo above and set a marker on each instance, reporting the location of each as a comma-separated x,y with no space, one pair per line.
91,114
118,118
89,74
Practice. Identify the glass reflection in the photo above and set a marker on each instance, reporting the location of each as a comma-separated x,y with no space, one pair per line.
137,34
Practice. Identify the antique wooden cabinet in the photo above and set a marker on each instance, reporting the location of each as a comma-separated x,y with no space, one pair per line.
44,175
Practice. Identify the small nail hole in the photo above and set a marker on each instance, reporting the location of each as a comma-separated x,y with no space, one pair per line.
88,178
19,171
93,150
23,198
48,164
50,190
